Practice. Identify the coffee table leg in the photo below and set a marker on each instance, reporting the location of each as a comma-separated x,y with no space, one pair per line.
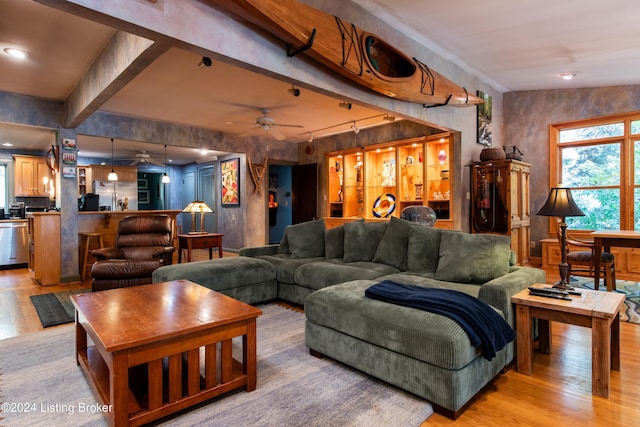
81,339
600,356
615,342
523,340
118,389
250,355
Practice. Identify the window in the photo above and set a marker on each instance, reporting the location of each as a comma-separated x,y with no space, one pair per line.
599,160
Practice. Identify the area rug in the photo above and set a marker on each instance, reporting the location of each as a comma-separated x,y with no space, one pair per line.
55,308
294,388
631,290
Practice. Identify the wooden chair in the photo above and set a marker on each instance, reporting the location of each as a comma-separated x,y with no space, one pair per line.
581,253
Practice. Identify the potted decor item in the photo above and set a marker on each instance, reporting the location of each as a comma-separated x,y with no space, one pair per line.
512,152
493,153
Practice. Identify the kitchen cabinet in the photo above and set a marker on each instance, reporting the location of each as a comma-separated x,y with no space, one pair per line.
28,176
85,180
500,202
125,173
44,247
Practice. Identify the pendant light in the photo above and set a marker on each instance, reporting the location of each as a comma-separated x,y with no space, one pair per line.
113,176
165,177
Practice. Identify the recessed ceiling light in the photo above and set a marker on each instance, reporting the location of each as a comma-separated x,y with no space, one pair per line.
16,53
204,152
7,144
567,76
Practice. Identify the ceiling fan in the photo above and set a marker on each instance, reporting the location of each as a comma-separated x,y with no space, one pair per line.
267,124
142,157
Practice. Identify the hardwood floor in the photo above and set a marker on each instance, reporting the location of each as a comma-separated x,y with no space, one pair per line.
558,392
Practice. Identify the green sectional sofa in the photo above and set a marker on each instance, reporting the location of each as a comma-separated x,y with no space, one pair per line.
328,271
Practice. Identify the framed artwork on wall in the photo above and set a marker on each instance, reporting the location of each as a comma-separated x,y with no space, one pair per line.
484,120
230,173
143,196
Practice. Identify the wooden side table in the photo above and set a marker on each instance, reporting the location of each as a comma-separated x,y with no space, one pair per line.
199,241
592,309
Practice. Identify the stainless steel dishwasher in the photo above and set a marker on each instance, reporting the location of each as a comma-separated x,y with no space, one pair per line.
14,242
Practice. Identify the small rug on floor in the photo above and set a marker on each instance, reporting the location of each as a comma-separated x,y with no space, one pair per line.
631,290
294,388
55,308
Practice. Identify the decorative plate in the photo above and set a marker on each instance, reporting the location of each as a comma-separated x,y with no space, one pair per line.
384,206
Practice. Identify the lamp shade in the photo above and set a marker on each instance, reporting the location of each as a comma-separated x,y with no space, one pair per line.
560,203
197,206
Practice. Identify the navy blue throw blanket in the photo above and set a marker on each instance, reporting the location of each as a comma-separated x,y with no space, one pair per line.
485,327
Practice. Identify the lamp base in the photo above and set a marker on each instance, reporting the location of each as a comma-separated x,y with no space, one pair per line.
564,269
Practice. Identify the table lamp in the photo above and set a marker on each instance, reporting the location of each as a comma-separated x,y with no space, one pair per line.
197,206
560,203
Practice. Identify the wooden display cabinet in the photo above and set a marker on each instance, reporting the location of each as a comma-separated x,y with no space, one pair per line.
500,202
345,196
438,172
411,180
381,178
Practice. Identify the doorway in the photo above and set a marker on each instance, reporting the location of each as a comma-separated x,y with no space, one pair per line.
279,201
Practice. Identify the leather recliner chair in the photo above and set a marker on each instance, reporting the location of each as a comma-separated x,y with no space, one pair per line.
143,243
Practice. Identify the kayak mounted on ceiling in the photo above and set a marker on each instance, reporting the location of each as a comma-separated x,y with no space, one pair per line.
362,57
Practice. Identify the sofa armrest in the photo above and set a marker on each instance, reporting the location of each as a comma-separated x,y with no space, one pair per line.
257,251
498,292
165,254
107,253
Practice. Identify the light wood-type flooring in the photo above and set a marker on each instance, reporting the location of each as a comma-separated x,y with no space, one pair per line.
558,392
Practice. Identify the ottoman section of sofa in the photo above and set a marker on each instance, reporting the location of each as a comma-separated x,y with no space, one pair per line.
250,280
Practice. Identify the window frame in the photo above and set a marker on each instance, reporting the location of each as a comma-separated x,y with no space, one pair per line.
627,186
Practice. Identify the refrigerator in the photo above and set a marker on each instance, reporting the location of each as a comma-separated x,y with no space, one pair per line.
117,195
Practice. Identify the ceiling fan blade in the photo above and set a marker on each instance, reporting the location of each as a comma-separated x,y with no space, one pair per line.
250,131
275,133
155,162
135,162
288,126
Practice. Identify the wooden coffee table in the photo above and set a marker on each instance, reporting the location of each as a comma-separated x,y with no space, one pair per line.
160,329
592,309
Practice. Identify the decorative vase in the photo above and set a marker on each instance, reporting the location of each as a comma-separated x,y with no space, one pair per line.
442,156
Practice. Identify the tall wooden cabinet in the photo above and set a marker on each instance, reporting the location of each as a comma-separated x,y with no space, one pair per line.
28,176
500,202
383,179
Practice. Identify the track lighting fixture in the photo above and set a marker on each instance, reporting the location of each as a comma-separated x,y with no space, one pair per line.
345,105
294,91
310,137
113,176
355,128
389,118
165,177
205,62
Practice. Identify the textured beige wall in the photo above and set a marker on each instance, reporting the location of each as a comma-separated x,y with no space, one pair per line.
527,116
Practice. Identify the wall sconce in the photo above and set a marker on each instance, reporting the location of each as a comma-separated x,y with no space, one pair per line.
345,105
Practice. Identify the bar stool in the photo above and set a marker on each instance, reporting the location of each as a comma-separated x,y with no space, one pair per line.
87,238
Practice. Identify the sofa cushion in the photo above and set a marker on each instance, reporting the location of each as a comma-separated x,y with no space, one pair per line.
361,240
306,240
421,335
392,249
473,258
317,275
334,241
423,248
286,266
